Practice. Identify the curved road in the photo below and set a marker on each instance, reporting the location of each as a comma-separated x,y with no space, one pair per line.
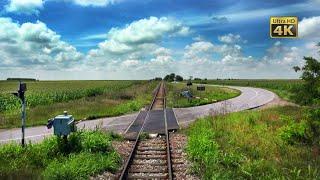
250,98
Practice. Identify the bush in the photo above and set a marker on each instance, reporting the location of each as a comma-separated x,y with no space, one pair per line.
306,131
313,122
294,133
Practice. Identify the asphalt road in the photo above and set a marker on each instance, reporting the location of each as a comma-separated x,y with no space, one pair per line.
249,98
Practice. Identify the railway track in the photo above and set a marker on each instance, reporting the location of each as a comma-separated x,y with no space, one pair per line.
151,158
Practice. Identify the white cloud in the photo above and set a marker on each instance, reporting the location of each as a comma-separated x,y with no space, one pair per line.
230,38
199,47
205,59
310,28
35,46
198,38
205,49
162,51
94,2
138,39
32,44
24,6
130,63
147,30
33,6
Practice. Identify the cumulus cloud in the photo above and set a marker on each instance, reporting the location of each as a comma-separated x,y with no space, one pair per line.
147,30
206,59
310,27
24,6
136,52
205,50
33,6
161,51
230,38
94,2
130,63
199,51
137,39
31,44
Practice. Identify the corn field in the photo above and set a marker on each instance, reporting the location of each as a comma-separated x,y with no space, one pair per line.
50,92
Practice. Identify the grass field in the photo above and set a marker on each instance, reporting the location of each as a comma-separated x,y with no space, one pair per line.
210,95
85,154
82,99
281,87
253,145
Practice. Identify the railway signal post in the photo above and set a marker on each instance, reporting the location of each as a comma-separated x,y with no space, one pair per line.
20,94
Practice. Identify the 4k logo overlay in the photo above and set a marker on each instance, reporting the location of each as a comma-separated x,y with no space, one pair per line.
283,27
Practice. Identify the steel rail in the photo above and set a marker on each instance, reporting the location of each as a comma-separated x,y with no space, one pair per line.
169,163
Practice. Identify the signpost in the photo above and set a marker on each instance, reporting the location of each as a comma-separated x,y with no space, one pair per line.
20,94
201,88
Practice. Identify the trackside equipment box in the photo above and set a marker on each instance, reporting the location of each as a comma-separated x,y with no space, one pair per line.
62,124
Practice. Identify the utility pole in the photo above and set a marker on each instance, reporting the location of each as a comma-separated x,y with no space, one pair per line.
20,94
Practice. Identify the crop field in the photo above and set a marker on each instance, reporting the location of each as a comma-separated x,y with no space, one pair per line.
83,99
283,88
210,95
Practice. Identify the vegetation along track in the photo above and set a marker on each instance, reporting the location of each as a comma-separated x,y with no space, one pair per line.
151,158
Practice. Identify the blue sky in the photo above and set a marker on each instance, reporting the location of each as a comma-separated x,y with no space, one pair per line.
127,39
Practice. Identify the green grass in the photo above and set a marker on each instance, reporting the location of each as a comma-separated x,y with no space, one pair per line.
210,95
82,99
86,153
281,87
252,145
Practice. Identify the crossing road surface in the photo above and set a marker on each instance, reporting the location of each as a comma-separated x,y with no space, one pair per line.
250,98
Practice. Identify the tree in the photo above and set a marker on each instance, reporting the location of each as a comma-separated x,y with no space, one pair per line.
179,78
172,76
309,93
166,78
169,77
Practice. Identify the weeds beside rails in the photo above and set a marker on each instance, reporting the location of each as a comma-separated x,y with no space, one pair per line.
252,145
86,153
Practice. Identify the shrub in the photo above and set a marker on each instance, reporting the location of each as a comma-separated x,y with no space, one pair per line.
294,133
306,131
313,122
